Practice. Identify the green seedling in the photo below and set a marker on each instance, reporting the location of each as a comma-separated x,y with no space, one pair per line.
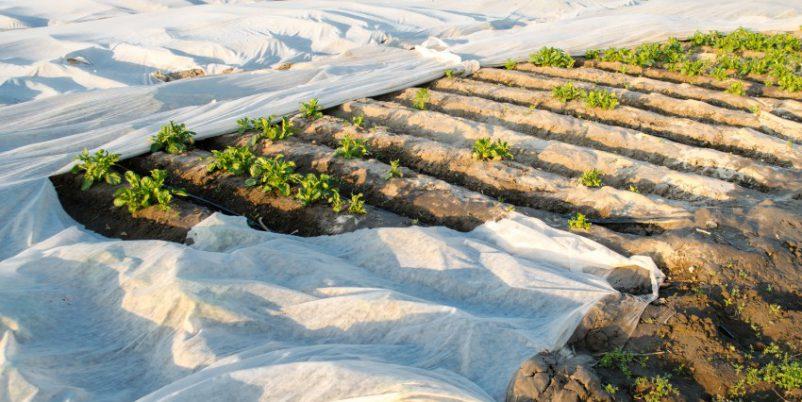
173,138
311,110
96,168
591,178
316,188
395,170
421,99
486,149
567,92
273,130
273,174
736,88
552,57
358,121
655,389
143,192
602,99
617,358
357,204
510,64
245,124
236,161
351,148
578,222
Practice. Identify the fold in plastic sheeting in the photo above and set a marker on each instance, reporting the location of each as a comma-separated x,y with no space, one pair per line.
424,313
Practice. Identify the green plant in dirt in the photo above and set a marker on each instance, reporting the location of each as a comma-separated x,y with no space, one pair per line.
736,88
551,57
421,99
357,204
591,178
351,148
314,188
690,68
173,138
273,174
449,73
610,389
487,149
578,222
601,98
395,170
510,64
592,54
618,358
311,110
97,167
358,121
234,160
245,124
567,92
273,130
143,192
633,188
719,72
654,389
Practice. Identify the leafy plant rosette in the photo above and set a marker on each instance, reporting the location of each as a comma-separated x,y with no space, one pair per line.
143,192
173,138
273,174
97,167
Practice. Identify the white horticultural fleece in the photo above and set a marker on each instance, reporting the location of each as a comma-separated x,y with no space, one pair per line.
411,313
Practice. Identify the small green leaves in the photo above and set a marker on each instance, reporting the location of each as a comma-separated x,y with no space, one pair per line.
314,188
97,167
510,64
486,149
236,161
143,192
421,99
578,222
357,204
173,138
311,109
552,57
245,124
395,170
273,174
591,178
351,148
358,120
567,92
736,88
273,130
449,73
601,98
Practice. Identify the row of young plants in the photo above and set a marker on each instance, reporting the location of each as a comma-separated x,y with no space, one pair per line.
596,98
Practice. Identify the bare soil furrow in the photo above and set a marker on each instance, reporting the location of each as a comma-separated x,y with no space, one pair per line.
554,156
515,182
94,208
276,212
740,140
689,108
415,195
619,140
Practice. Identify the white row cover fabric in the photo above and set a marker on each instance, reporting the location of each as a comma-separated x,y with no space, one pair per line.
426,313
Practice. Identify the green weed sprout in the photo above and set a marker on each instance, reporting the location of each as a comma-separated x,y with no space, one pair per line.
486,149
600,98
567,92
421,99
578,222
143,192
273,174
351,148
97,167
591,178
395,170
173,138
552,57
234,160
311,110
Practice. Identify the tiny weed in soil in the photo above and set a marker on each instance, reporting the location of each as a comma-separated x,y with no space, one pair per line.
395,170
486,149
567,92
173,138
617,358
602,99
273,174
311,110
591,178
351,148
97,167
143,192
236,161
654,389
578,222
421,99
549,56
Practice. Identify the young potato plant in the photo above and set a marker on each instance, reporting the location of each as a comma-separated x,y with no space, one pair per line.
421,99
591,178
568,92
395,170
143,192
351,148
273,130
736,88
358,121
578,222
273,174
601,98
357,204
234,160
311,110
510,64
173,138
486,149
96,168
315,188
245,124
552,57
